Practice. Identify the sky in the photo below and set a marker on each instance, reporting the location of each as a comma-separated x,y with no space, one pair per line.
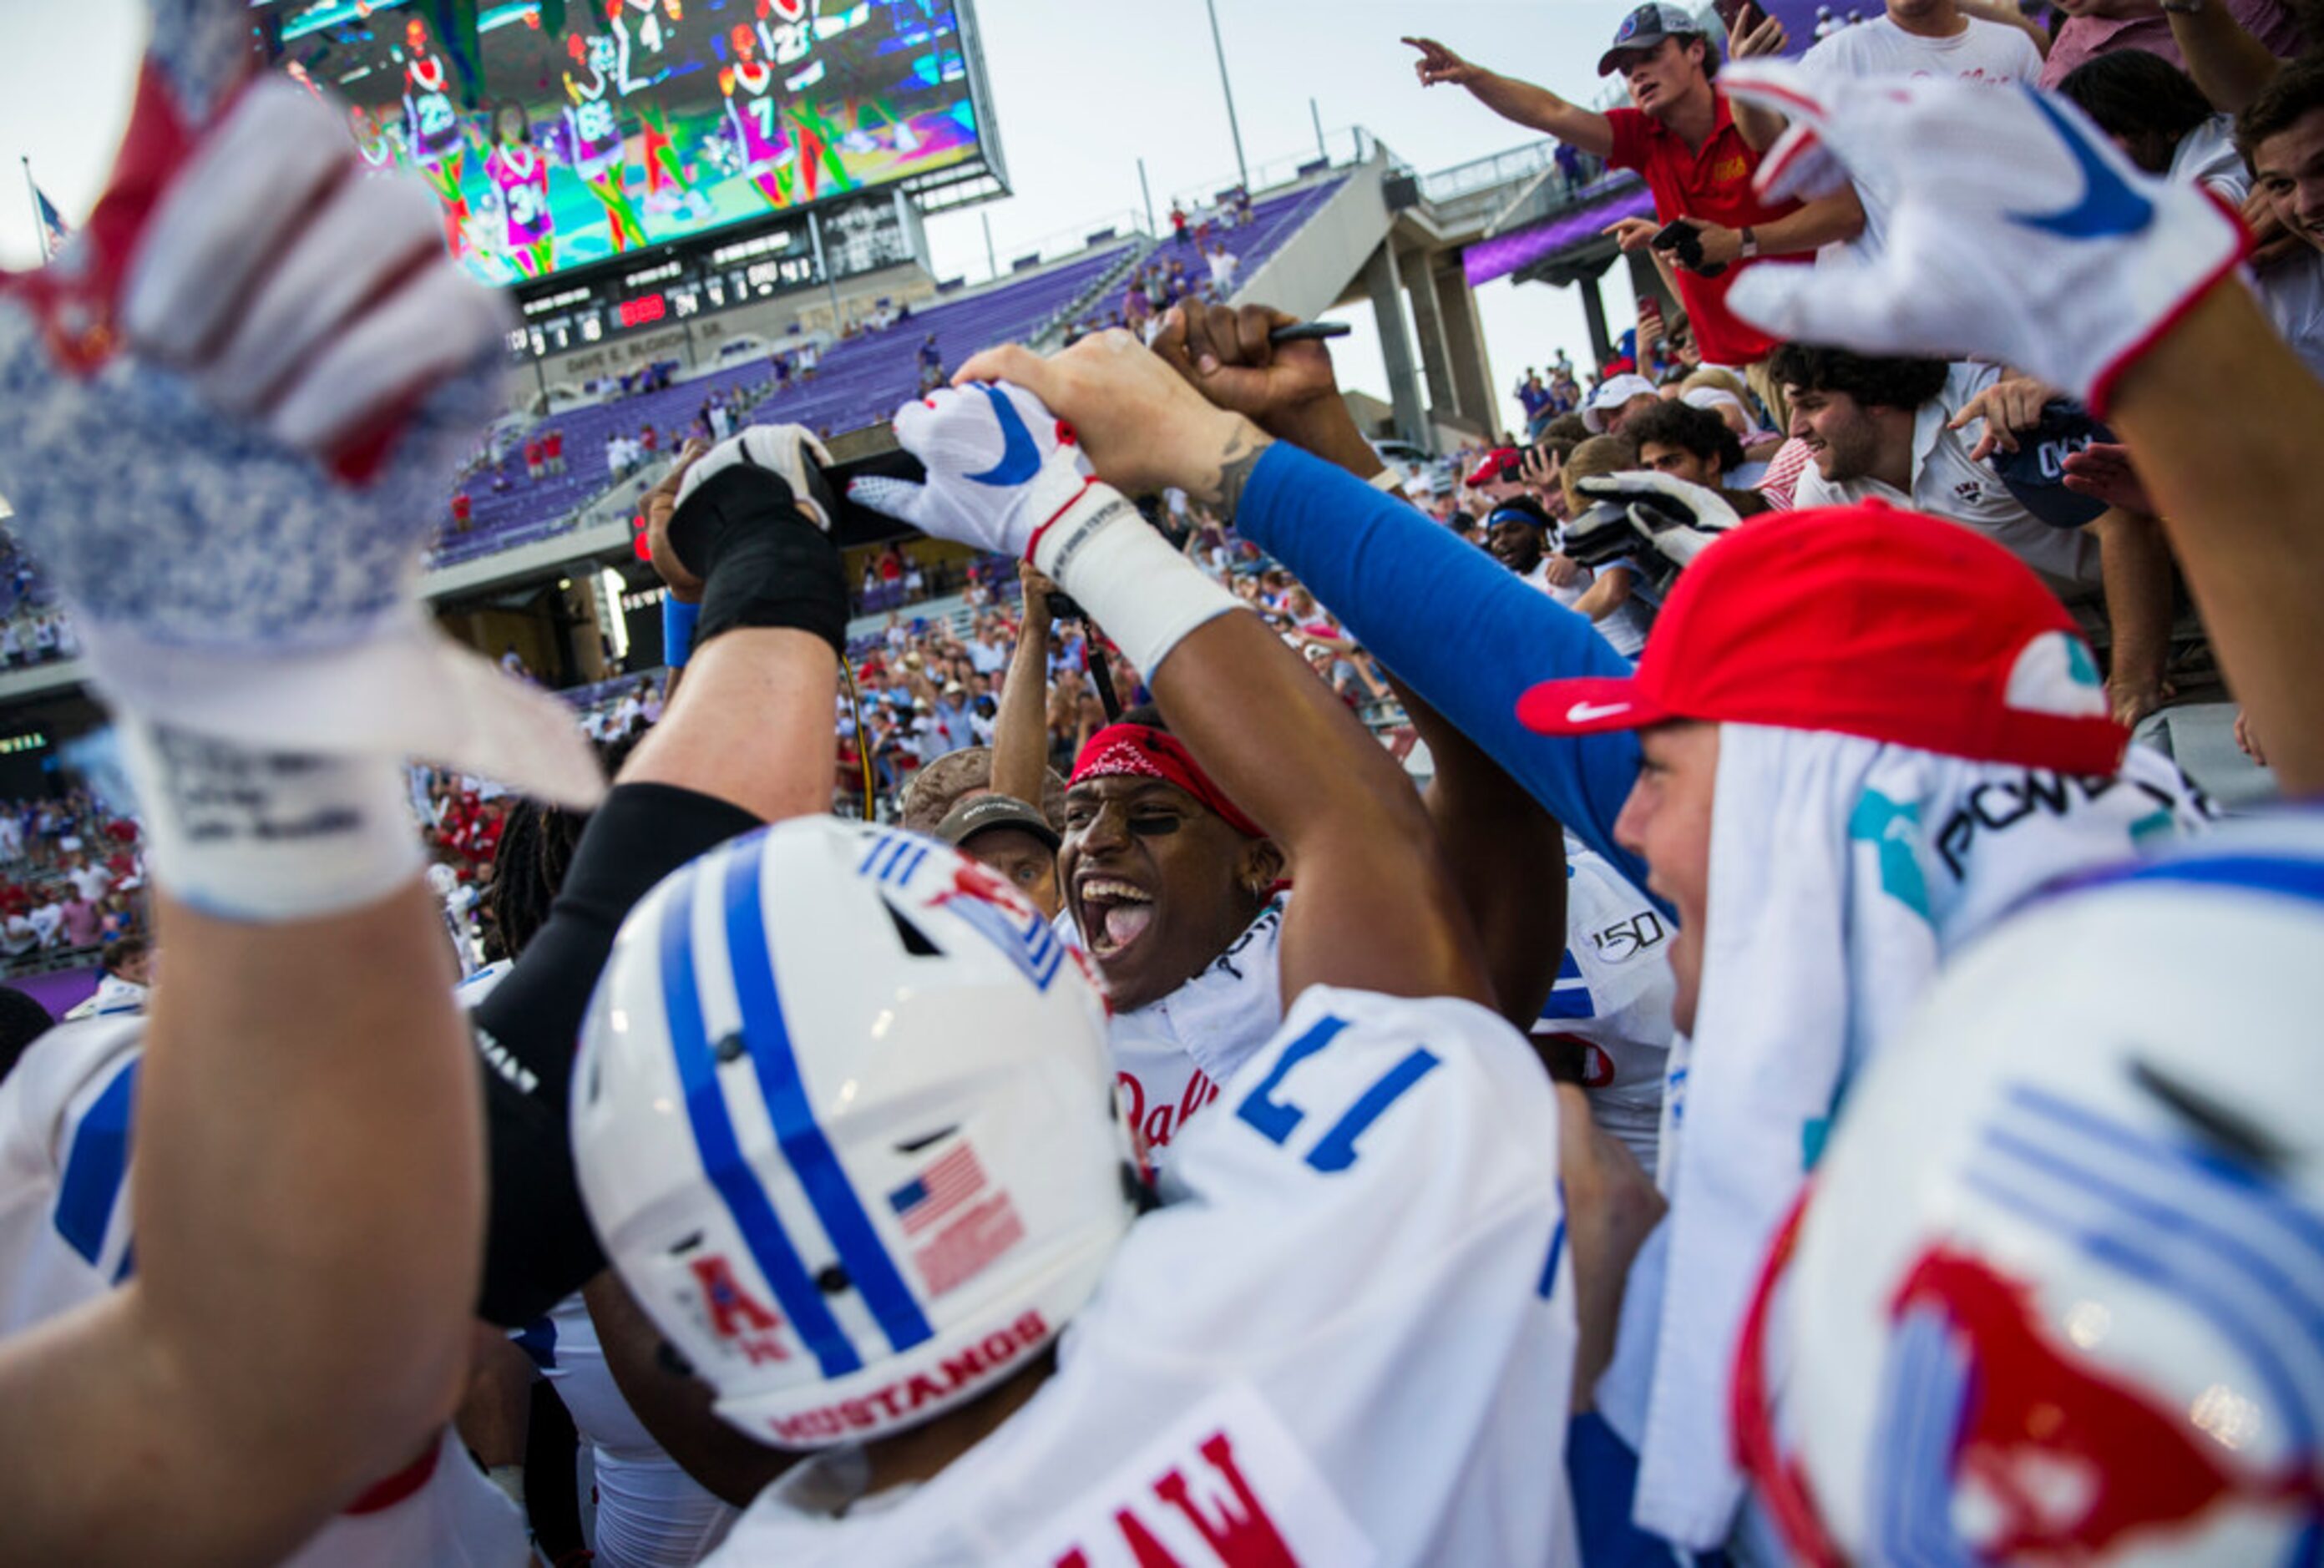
1080,93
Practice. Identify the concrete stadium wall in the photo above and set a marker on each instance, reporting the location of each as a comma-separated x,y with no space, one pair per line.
1314,267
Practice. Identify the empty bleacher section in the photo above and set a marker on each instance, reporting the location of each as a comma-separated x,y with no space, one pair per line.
860,380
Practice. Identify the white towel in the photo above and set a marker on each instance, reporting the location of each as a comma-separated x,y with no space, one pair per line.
1843,872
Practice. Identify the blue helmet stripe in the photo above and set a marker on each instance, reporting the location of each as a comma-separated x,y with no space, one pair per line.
2294,879
809,1152
722,1156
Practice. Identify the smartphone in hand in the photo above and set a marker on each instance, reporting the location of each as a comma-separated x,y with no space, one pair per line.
1683,241
1737,17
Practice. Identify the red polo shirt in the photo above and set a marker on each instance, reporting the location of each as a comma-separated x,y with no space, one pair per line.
1712,183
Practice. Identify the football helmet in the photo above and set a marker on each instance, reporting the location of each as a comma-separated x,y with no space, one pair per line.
2056,1293
844,1118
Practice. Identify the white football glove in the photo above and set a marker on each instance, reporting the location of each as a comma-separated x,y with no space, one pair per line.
236,400
2019,231
1001,468
787,451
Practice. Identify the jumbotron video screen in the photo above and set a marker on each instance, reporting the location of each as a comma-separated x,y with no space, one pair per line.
640,122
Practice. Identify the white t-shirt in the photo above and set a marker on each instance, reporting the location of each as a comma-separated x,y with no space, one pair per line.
92,882
47,920
1539,578
1946,483
65,1241
1613,996
1346,1338
2206,156
2292,293
1986,52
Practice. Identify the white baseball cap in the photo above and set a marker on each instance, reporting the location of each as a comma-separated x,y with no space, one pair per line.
1612,394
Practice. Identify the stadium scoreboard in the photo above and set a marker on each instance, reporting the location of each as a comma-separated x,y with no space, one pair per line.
670,286
601,133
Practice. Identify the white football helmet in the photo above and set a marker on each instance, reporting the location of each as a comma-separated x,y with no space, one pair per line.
844,1118
2056,1293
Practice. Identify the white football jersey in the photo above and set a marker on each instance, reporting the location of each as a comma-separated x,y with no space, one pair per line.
1346,1338
1170,1057
1613,997
65,1240
650,1514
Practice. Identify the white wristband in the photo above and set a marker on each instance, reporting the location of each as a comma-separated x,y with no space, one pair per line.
1144,594
245,834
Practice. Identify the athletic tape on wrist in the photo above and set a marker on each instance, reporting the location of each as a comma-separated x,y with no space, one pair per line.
245,834
1144,594
763,563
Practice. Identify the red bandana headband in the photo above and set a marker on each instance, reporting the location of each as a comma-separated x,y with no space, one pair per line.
1140,752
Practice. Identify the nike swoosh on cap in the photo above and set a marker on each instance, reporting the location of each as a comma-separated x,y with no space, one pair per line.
1020,459
1582,713
2108,206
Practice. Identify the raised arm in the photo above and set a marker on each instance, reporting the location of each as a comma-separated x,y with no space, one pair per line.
1375,907
1021,730
2218,417
1444,617
748,738
305,1186
1505,853
2229,64
1536,108
2141,318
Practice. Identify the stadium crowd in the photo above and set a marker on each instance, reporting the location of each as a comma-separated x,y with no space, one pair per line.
1800,1081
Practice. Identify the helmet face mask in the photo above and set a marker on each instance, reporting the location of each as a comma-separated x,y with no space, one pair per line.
845,1118
2057,1314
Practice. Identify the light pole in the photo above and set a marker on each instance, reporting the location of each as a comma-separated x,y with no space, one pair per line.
1233,126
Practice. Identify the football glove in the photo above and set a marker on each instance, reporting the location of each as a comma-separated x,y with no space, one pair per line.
237,398
2019,231
1001,469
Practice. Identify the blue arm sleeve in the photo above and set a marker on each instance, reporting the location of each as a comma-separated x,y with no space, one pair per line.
1454,625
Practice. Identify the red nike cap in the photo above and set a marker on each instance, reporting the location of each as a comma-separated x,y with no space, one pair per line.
1866,620
1499,466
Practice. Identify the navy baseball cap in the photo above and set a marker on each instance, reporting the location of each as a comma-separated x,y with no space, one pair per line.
1645,28
2035,472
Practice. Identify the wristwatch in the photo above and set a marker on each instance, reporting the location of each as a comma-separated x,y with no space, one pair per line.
1751,242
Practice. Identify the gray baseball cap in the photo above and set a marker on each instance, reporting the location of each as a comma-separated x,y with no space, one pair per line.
1645,27
980,812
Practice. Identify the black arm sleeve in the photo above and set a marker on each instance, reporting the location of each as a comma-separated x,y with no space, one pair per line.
539,1246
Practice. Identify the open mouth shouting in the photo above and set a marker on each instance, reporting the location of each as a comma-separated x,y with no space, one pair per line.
1112,914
